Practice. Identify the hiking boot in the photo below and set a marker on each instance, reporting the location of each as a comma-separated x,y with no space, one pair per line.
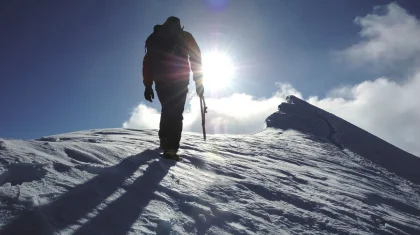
171,154
163,144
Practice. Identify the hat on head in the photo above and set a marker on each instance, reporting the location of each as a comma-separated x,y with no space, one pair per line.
173,20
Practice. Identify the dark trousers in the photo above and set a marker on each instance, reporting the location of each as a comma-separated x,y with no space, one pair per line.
172,98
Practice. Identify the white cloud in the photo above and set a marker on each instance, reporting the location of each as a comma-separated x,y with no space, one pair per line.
143,117
389,37
390,34
236,114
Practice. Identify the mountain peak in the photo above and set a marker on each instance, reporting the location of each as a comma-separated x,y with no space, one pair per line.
299,115
293,99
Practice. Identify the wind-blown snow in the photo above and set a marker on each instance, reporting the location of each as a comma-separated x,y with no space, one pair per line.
279,181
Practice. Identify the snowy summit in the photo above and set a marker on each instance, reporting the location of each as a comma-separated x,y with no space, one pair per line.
308,172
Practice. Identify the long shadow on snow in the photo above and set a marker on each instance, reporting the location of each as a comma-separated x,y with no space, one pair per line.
120,214
73,205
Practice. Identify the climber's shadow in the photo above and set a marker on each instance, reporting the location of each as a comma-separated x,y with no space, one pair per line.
117,217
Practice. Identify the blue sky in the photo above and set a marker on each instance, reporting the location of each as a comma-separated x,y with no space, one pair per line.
76,65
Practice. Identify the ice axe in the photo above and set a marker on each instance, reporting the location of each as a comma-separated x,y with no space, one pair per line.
203,115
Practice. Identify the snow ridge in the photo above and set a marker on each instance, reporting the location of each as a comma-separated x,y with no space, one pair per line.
299,115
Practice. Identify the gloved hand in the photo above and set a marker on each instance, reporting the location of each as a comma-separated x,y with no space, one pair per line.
199,88
149,94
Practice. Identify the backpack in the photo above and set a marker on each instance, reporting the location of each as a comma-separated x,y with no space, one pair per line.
166,55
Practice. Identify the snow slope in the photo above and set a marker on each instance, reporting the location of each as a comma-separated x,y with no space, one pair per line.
299,115
283,180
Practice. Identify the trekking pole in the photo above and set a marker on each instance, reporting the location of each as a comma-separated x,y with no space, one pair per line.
203,115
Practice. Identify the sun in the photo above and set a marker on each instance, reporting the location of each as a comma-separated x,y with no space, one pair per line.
218,70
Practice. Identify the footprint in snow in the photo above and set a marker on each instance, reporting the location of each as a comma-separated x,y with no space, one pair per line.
18,173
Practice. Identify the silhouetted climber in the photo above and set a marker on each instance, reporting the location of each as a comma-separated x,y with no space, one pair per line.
166,64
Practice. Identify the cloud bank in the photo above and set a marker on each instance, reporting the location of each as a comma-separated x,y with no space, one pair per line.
387,109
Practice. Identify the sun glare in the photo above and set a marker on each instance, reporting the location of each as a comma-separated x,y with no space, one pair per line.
218,70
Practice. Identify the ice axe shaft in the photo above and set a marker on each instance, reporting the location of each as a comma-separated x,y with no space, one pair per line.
203,115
